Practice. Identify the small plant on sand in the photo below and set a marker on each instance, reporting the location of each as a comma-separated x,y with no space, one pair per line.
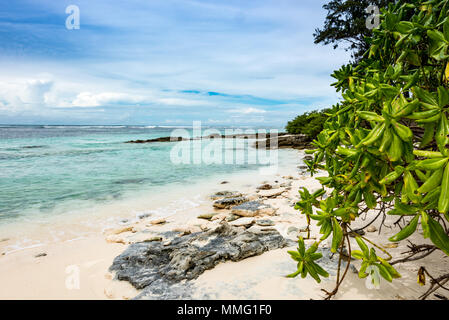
385,147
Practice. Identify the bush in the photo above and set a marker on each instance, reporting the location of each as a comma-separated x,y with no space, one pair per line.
385,146
309,123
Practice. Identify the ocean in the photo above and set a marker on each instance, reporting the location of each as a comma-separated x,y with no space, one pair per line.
47,171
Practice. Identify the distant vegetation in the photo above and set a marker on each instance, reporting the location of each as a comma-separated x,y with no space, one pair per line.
309,123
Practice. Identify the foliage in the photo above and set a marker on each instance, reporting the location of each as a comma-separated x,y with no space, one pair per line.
346,22
309,123
385,147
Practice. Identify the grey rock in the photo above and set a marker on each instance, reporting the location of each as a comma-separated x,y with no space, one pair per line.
298,141
43,254
225,194
292,230
265,186
227,203
253,208
357,232
157,268
207,216
371,229
264,222
224,182
232,217
242,222
143,215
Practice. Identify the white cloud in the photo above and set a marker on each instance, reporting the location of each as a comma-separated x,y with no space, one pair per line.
88,99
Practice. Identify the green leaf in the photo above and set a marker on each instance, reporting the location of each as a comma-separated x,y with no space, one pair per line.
406,231
337,235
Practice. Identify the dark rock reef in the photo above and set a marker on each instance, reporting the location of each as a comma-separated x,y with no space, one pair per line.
157,268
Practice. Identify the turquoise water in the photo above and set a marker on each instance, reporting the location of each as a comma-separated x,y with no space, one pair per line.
42,167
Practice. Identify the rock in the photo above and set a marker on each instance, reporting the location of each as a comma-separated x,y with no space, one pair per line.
227,203
219,216
292,230
43,254
206,216
115,239
224,182
353,268
232,217
308,158
303,167
288,177
156,238
225,194
265,186
122,230
253,208
158,221
358,232
286,184
264,222
159,269
298,141
242,222
143,215
271,193
390,245
371,229
4,239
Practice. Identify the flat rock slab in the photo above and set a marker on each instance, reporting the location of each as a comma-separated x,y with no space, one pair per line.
229,202
253,208
273,193
242,222
155,267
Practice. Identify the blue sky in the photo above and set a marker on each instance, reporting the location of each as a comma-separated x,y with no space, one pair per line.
164,62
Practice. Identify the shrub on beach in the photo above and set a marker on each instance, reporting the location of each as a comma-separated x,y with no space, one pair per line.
309,123
385,146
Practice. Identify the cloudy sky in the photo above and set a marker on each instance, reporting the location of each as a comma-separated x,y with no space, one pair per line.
163,62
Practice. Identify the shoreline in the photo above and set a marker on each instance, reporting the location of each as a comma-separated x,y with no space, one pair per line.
46,271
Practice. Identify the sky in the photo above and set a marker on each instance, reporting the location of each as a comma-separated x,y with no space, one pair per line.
164,62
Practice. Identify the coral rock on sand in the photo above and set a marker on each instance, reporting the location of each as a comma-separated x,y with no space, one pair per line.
242,222
225,194
265,186
206,216
273,193
158,221
264,222
227,203
158,269
253,208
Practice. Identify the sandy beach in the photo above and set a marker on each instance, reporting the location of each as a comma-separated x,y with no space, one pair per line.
77,268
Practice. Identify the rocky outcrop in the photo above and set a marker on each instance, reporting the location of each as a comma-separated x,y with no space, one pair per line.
213,136
227,203
297,141
155,266
252,209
